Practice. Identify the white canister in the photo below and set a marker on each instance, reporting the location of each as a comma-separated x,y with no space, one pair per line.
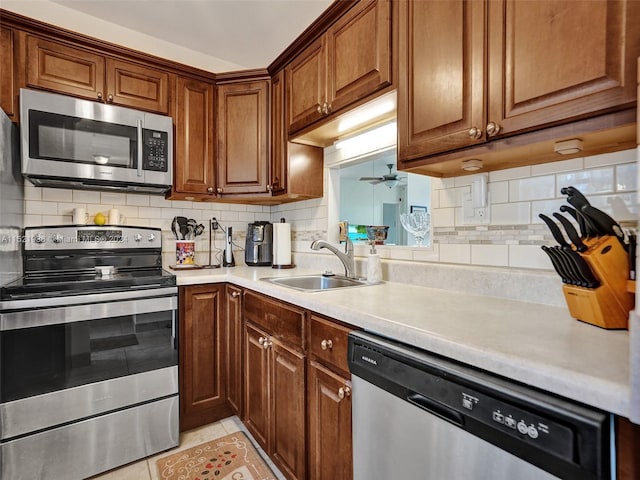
80,216
374,268
115,218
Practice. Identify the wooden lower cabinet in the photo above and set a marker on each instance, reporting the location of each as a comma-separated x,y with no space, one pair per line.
275,400
330,439
202,333
234,348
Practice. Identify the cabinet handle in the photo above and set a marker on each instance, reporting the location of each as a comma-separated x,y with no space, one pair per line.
493,129
326,344
325,108
319,109
210,190
110,98
475,132
235,294
99,95
219,190
344,392
269,188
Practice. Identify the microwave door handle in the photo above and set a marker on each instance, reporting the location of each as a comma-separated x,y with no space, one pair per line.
139,147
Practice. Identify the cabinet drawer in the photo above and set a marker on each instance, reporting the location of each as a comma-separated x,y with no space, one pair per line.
280,320
328,341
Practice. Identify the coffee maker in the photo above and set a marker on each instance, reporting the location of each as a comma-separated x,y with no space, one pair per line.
258,249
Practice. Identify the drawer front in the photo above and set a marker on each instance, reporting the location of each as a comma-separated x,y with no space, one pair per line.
280,320
328,341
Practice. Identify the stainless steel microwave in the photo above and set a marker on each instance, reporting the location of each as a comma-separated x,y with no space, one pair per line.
67,142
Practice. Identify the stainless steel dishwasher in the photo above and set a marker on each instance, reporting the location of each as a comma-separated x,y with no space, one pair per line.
420,416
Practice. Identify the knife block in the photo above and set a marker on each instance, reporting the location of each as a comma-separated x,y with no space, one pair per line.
607,306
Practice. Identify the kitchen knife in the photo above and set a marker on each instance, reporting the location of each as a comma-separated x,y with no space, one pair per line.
175,228
571,232
558,267
603,222
586,226
577,198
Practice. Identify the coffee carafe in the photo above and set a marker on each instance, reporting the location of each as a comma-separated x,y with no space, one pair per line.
258,248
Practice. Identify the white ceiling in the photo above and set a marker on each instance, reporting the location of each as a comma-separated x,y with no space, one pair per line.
240,33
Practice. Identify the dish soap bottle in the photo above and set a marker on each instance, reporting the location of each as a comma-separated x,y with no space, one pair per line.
374,267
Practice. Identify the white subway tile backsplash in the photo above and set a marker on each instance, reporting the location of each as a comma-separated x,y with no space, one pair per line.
493,255
455,253
113,198
443,217
511,213
56,195
528,256
138,200
86,196
534,188
498,192
626,177
623,156
509,174
591,181
32,192
442,183
557,167
547,207
35,207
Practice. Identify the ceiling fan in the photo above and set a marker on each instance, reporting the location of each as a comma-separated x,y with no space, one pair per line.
389,179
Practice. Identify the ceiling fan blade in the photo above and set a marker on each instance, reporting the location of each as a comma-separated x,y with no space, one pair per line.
376,181
367,179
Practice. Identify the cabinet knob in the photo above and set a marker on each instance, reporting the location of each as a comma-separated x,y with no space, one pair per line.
219,189
319,109
99,95
269,188
264,341
326,108
475,132
261,340
326,344
235,294
110,98
210,190
493,129
344,392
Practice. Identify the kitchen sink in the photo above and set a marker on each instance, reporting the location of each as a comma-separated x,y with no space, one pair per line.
317,283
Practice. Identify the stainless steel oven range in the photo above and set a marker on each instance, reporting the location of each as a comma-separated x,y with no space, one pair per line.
88,353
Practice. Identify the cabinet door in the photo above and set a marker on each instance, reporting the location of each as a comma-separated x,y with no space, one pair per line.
243,137
306,86
8,94
257,414
359,53
288,422
330,438
234,348
65,69
202,355
441,72
137,86
555,61
194,163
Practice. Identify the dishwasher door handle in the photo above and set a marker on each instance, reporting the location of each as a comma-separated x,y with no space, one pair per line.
437,408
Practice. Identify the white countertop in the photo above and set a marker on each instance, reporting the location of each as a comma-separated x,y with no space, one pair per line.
535,344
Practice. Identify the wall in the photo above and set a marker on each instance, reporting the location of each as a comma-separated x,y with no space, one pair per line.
502,258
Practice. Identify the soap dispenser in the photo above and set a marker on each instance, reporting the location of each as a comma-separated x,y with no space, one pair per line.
374,267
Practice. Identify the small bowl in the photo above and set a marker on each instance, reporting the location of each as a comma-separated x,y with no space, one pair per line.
377,233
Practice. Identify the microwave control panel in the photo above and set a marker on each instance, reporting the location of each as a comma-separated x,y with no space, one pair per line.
155,150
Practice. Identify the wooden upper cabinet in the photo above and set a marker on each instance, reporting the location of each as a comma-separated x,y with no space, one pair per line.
243,137
84,73
441,71
8,93
278,171
350,62
306,86
546,63
359,53
194,140
554,61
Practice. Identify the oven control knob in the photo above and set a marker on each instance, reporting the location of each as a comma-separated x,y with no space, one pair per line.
39,238
57,238
137,237
151,237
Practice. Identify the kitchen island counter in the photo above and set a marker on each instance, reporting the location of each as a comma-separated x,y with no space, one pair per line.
538,345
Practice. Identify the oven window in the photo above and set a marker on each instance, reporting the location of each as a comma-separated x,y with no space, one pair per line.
71,139
54,357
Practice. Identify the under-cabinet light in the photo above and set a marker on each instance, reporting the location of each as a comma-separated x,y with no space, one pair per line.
568,147
472,165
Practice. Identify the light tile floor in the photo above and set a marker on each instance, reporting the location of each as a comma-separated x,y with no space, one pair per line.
146,469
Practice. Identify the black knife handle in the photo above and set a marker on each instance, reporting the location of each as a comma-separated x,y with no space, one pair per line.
576,195
556,266
604,222
571,232
555,230
583,269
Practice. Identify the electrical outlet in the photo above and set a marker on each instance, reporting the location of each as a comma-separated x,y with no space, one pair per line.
481,212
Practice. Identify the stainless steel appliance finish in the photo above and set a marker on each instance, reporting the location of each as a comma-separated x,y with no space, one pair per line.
417,415
88,353
259,244
72,143
11,201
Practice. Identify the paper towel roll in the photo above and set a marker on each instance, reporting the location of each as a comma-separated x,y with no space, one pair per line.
281,244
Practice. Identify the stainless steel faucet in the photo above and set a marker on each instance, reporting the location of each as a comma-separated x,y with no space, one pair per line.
346,258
